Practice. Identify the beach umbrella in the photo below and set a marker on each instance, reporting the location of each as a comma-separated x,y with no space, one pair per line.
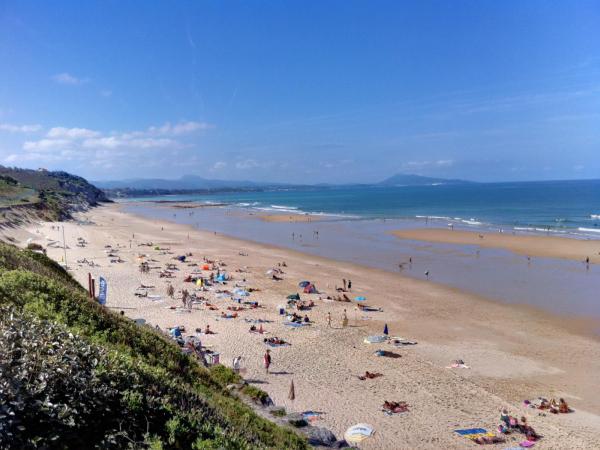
360,298
303,284
358,433
385,330
292,394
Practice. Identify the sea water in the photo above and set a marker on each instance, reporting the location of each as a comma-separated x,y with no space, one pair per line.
561,207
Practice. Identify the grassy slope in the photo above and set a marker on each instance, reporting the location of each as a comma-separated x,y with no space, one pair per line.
144,392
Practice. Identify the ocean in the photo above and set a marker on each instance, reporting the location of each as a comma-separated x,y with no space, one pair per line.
359,222
567,207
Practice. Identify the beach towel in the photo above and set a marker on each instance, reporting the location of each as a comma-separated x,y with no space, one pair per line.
270,344
295,324
311,416
474,433
375,339
527,444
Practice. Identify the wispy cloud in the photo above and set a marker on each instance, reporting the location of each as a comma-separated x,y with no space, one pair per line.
19,128
103,149
71,133
68,79
219,165
414,165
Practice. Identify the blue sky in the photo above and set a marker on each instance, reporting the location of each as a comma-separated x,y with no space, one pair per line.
331,91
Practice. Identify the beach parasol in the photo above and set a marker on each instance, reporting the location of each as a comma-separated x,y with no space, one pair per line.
360,298
358,433
385,330
303,284
292,394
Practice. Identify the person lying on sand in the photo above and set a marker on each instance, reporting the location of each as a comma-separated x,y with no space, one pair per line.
483,440
275,341
369,375
527,430
395,407
276,278
229,315
207,330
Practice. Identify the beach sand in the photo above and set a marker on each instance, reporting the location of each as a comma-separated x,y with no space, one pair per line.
514,352
528,245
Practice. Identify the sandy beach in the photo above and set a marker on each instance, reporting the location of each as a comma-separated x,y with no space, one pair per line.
528,245
514,353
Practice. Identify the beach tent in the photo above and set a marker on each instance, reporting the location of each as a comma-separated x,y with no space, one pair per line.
293,296
358,433
360,298
375,339
303,284
181,258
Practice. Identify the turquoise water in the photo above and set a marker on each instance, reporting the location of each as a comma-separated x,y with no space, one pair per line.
550,206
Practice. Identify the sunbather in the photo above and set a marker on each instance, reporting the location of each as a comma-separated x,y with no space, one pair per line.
369,375
395,407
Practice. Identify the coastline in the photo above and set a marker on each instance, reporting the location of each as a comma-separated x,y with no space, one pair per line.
527,245
511,349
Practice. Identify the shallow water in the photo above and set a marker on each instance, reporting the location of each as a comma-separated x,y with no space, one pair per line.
555,285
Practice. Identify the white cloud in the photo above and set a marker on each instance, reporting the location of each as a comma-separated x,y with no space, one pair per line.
71,133
45,144
67,78
219,165
247,164
179,128
428,164
19,128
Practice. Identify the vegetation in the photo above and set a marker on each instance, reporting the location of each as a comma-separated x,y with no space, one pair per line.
53,194
74,375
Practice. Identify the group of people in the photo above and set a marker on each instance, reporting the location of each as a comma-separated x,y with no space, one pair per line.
509,423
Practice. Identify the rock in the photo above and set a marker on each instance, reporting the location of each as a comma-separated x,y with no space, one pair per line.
319,436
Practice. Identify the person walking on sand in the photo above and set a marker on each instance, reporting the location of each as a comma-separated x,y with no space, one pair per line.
328,320
344,319
344,280
349,285
267,360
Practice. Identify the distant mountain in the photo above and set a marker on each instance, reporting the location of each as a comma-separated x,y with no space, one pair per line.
186,182
417,180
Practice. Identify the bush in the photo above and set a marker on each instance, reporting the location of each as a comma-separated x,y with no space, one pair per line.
107,382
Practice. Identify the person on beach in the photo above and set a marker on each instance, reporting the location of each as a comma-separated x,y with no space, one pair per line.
170,290
267,360
344,319
344,280
349,285
427,274
237,364
328,320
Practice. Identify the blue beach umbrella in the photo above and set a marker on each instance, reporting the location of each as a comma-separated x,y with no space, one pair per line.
385,330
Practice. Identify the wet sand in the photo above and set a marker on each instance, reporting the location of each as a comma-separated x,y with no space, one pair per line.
291,218
541,246
514,352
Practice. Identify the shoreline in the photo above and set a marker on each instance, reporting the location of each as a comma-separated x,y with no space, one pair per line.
511,349
526,245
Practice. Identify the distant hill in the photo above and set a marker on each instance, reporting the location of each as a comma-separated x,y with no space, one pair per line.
53,195
417,180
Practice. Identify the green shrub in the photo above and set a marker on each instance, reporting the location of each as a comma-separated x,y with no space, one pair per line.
128,386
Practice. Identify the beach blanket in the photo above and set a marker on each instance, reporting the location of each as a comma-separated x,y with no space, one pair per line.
311,416
296,324
375,339
474,433
527,444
